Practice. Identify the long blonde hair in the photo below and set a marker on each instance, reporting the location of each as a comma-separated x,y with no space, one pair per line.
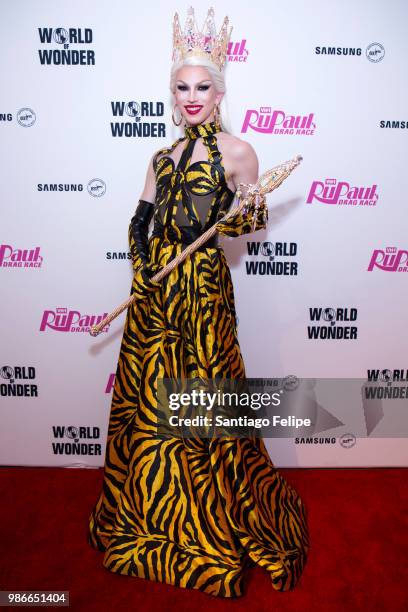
217,78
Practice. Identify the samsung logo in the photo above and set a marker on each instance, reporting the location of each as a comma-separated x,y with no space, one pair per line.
338,50
60,187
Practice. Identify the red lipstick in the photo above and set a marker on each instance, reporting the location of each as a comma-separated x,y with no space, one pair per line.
193,109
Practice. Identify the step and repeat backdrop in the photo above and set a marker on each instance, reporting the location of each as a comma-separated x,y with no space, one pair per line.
321,295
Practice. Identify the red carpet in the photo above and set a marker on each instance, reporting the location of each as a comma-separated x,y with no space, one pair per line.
358,560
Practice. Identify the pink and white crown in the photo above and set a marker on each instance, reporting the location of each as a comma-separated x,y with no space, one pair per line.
204,42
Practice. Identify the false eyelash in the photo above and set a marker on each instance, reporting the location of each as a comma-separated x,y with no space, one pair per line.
183,87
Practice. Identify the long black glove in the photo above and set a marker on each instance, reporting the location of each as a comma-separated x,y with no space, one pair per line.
139,248
139,226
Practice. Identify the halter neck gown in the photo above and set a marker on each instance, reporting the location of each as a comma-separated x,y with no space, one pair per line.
190,514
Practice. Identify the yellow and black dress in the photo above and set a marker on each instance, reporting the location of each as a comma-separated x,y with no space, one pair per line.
196,513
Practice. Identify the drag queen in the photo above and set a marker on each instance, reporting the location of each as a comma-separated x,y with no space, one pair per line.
194,513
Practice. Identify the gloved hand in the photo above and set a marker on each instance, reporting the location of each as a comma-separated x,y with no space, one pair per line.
142,283
139,248
138,231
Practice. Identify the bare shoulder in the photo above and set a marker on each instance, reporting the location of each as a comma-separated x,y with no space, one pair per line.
239,158
236,148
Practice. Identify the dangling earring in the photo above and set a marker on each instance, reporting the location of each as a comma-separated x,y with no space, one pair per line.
172,116
217,114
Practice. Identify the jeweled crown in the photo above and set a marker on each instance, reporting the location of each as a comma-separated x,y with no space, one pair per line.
204,42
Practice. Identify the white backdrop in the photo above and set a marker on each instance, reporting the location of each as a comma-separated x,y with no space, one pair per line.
64,249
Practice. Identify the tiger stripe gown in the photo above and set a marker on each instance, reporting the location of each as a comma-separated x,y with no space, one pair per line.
194,513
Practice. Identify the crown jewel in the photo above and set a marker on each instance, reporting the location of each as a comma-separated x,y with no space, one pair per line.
204,42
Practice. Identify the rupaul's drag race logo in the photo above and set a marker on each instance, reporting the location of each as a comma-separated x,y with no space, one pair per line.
237,51
110,383
342,193
268,121
66,47
76,440
18,381
269,258
390,260
64,320
137,120
12,257
332,324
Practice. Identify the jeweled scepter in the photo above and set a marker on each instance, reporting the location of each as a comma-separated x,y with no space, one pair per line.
252,207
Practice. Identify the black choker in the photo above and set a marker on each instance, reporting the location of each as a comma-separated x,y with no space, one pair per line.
202,129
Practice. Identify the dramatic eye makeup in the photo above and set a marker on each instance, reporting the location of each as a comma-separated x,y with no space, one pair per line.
203,87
